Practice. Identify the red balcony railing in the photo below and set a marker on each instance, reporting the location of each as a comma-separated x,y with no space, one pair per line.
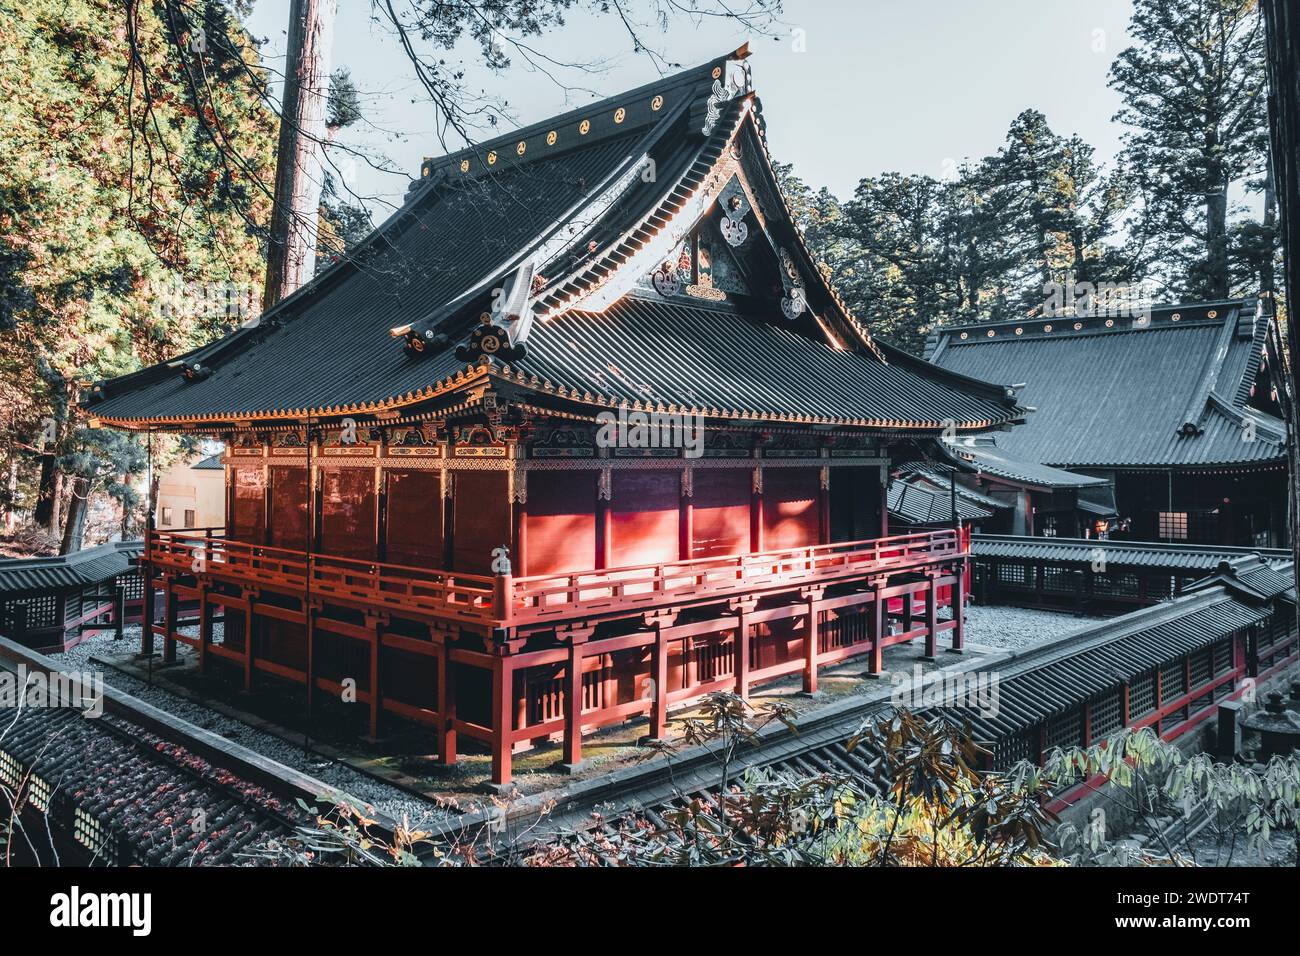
504,601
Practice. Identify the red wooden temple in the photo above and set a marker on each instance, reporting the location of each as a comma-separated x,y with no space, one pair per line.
580,434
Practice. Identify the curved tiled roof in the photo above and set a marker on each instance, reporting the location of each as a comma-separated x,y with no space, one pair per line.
65,571
722,363
915,504
570,194
1118,554
1167,391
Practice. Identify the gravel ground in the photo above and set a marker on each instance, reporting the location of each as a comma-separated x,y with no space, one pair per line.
993,627
387,799
1010,627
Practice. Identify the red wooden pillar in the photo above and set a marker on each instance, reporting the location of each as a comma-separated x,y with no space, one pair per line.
756,512
446,727
659,687
205,628
686,517
884,502
824,507
376,691
502,718
309,668
604,489
810,638
931,619
573,704
169,623
147,611
742,653
958,612
519,522
519,533
251,628
875,633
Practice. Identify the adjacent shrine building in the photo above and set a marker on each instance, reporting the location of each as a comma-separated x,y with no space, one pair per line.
1176,407
579,434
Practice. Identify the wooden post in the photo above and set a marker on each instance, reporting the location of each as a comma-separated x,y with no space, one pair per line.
309,669
502,714
446,706
810,647
573,705
169,623
520,543
742,654
659,674
119,611
907,610
253,626
875,632
375,690
205,629
147,611
931,620
958,613
602,533
685,528
824,509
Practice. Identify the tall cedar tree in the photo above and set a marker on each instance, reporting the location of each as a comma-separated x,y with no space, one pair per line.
1194,97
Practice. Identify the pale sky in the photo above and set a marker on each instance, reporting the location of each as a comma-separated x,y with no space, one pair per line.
880,86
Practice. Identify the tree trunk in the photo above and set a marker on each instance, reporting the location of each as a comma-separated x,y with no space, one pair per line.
43,513
1267,280
11,498
75,528
1282,26
291,247
1216,251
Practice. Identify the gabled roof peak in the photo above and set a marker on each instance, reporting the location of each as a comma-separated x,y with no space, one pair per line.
617,115
1179,315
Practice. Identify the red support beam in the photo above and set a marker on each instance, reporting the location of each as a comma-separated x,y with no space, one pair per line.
148,612
741,644
519,533
502,718
573,705
659,685
375,690
875,633
810,638
931,620
205,628
169,622
446,729
252,626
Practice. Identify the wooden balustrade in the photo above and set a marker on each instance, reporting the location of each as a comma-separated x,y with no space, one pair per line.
369,585
503,601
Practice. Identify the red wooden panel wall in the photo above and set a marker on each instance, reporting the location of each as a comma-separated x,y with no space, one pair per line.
720,511
480,519
790,507
289,507
248,513
413,526
561,525
643,517
347,522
